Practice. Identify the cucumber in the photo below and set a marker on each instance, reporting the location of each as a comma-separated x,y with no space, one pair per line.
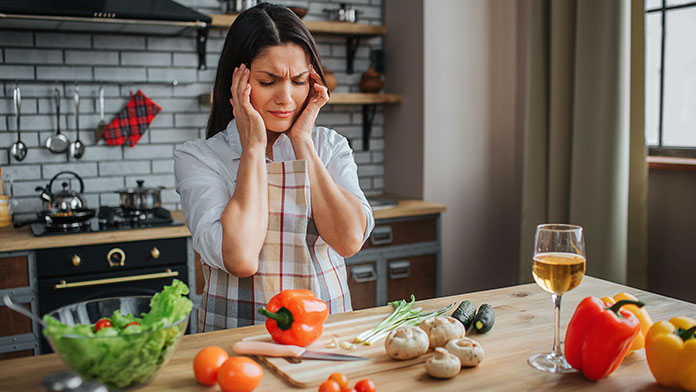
465,313
485,317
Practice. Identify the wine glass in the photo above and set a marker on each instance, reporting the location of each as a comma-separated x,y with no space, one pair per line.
558,266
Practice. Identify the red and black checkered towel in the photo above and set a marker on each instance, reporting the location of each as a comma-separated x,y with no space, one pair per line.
131,122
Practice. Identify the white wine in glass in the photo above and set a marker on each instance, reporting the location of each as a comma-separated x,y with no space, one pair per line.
558,266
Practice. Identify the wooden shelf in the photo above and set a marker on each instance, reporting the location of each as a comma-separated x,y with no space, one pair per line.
320,27
340,99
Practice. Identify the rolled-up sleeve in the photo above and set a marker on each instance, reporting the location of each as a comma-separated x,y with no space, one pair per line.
204,195
344,171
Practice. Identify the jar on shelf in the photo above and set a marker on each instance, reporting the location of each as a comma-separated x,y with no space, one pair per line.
371,81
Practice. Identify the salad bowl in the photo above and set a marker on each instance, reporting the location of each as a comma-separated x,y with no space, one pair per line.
127,351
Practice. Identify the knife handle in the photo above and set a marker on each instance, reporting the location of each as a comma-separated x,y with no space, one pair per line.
268,349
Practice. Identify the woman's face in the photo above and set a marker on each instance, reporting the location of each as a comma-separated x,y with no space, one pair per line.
279,85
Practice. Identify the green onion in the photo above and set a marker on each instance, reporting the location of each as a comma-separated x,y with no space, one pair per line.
403,315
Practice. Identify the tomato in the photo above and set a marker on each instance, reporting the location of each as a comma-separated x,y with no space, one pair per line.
341,379
365,385
131,323
349,389
329,386
102,323
206,364
239,374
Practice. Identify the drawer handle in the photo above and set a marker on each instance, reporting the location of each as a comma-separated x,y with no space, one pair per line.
363,273
399,269
159,275
381,235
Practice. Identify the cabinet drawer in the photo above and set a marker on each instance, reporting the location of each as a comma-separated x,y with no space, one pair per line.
412,275
362,282
13,323
402,232
14,272
16,354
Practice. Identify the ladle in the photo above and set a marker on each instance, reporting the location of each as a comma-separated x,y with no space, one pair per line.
57,143
77,148
20,309
102,124
18,149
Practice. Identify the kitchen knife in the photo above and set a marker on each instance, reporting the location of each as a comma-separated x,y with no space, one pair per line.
283,350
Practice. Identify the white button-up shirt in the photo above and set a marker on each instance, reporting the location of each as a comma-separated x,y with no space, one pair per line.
206,175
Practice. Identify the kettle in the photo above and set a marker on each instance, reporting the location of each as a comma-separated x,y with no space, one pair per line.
66,199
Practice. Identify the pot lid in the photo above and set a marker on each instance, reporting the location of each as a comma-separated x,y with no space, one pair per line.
141,189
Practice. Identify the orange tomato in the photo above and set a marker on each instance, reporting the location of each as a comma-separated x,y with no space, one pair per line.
329,386
341,379
206,364
365,385
239,374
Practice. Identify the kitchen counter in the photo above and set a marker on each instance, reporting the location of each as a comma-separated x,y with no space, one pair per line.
12,239
524,326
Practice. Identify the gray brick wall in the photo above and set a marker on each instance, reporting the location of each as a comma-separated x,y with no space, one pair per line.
36,59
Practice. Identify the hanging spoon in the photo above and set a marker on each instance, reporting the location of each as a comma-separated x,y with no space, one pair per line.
77,148
18,149
102,124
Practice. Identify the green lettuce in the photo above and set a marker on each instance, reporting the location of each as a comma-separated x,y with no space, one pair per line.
121,357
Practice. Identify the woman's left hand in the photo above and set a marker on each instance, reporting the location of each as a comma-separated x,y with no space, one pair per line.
318,97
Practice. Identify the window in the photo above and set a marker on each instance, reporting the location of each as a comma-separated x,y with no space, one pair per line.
670,77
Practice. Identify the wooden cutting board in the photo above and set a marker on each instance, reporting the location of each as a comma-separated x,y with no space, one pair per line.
310,373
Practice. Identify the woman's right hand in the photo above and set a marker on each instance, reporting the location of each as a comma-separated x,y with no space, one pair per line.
252,130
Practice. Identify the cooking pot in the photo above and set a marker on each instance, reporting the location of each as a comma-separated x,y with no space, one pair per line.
140,197
65,200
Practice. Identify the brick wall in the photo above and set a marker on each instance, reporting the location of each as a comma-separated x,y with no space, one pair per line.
36,59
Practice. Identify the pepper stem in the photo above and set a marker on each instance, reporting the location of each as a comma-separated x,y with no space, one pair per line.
283,317
687,334
615,308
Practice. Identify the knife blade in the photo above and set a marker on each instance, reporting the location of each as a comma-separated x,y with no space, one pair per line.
286,350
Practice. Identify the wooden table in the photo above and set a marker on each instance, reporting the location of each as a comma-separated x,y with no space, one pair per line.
524,326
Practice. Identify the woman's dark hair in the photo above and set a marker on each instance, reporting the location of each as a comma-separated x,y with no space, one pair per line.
253,31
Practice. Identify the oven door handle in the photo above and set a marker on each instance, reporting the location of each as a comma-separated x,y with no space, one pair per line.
159,275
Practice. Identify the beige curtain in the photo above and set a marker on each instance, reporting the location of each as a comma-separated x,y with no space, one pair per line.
584,155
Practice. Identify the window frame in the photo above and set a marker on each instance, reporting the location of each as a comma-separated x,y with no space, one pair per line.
660,149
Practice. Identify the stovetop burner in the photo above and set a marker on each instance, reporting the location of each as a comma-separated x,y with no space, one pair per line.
111,218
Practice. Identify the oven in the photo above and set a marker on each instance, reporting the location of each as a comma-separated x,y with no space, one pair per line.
73,274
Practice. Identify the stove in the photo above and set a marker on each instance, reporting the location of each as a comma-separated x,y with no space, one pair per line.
109,219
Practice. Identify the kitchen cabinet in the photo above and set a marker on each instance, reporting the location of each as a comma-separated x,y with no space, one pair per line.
401,257
18,334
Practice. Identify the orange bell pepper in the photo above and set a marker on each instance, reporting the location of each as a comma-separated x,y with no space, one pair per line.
295,317
640,313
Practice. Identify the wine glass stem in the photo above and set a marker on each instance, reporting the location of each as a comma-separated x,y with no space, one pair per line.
557,324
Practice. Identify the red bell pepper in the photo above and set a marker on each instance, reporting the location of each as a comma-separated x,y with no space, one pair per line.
295,317
599,336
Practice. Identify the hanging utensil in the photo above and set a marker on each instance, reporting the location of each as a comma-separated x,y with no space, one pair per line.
57,143
77,148
20,309
18,149
102,124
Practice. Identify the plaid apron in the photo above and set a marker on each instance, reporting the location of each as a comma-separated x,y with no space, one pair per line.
293,256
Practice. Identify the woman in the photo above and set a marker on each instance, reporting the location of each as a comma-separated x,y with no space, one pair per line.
272,202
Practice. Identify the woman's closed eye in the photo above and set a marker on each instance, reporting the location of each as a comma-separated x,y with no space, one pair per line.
295,82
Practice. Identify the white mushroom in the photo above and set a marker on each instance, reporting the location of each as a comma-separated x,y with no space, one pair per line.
442,329
443,364
406,343
469,351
